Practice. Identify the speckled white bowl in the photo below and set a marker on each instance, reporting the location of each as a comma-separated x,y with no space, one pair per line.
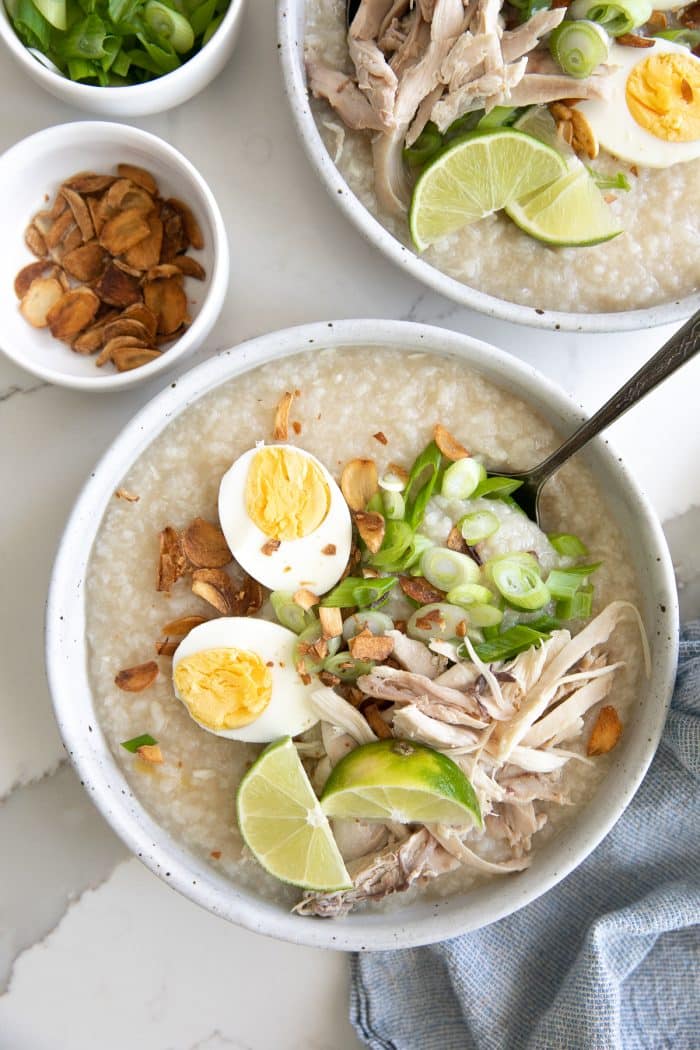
290,29
422,921
37,166
135,100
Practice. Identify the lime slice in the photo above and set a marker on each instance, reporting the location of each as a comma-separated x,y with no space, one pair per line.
479,174
539,122
403,781
570,211
283,825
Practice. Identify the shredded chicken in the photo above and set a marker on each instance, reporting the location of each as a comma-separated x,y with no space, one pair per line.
414,656
438,60
389,683
417,858
410,722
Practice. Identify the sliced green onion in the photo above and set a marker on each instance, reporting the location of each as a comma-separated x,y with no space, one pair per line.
395,548
200,18
478,526
468,594
689,37
499,117
437,620
568,545
616,18
496,487
508,644
520,584
419,545
421,483
578,606
428,143
521,557
394,505
169,25
54,11
461,478
375,504
377,622
211,29
145,740
85,39
579,47
564,583
484,616
357,592
290,614
618,181
391,482
447,569
344,666
309,636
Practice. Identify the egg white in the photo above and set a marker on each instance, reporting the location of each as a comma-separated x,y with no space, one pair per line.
289,711
296,563
614,126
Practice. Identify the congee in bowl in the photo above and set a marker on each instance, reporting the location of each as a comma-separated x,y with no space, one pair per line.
331,655
547,157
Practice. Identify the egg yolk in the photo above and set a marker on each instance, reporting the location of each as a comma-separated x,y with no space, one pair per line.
286,494
663,96
223,688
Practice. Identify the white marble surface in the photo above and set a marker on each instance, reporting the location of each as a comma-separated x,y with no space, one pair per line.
94,951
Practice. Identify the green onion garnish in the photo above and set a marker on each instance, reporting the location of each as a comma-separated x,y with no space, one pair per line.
468,594
577,606
428,143
616,18
145,740
394,505
461,478
290,614
421,483
437,620
478,526
609,182
356,592
446,569
496,487
508,644
484,616
344,666
396,547
520,584
689,37
568,545
579,47
114,42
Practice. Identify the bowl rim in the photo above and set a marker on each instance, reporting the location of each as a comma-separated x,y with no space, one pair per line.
80,94
87,748
215,285
372,230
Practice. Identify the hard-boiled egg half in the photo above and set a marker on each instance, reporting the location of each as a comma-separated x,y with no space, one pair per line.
652,113
236,677
285,519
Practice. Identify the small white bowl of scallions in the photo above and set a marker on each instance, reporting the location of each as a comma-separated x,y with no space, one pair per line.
121,58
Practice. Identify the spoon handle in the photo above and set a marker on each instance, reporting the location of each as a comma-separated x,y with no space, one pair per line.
682,345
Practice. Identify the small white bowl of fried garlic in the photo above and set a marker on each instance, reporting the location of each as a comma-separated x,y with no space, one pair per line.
116,259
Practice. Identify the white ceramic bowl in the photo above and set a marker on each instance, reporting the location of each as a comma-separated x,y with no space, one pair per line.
136,100
36,166
290,28
422,921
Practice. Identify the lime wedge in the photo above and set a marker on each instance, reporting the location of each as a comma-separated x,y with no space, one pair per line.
283,825
403,781
539,122
479,174
568,212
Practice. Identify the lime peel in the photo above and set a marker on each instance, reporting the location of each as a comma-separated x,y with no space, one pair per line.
570,212
283,825
400,780
475,176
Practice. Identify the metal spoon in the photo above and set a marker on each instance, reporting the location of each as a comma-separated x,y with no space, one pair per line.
679,349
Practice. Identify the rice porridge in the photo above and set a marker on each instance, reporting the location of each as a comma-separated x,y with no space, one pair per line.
345,399
655,260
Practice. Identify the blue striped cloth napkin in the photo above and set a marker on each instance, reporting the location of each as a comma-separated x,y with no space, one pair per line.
607,960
